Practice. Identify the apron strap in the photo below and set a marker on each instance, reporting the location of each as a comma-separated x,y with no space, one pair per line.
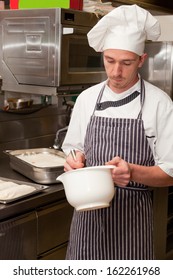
99,98
104,105
142,98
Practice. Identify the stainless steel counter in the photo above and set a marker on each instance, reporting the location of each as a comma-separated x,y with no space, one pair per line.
21,131
54,193
36,227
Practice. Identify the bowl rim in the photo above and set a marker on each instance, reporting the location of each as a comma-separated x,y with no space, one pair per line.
97,167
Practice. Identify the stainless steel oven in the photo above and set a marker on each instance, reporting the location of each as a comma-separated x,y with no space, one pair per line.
46,51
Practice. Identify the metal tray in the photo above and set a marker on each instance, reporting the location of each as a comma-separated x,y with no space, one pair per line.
29,110
41,175
38,189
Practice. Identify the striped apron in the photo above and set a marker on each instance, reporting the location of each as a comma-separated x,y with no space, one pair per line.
124,230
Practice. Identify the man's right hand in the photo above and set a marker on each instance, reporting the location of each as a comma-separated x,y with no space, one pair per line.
71,163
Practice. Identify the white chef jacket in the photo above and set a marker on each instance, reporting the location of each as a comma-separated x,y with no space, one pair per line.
157,115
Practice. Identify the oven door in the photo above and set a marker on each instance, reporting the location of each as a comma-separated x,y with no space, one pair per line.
80,64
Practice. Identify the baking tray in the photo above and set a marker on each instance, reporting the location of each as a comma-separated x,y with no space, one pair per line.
38,189
41,175
29,110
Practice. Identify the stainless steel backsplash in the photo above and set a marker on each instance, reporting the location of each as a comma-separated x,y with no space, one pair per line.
35,130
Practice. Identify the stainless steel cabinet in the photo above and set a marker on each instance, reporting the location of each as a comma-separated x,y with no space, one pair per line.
18,238
169,239
40,234
163,222
53,230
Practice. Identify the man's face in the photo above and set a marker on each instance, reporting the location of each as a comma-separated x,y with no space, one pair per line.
122,68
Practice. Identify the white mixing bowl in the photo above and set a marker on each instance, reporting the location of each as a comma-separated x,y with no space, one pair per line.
89,187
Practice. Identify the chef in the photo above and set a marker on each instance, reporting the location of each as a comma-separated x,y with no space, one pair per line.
127,122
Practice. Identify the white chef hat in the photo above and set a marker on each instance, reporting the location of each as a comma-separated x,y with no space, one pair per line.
126,27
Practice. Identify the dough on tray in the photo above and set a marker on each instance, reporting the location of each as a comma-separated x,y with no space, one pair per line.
4,185
10,190
43,160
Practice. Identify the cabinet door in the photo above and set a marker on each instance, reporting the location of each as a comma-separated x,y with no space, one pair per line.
55,254
18,237
169,244
53,226
160,208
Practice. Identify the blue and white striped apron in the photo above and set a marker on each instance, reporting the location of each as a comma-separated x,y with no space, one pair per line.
124,230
